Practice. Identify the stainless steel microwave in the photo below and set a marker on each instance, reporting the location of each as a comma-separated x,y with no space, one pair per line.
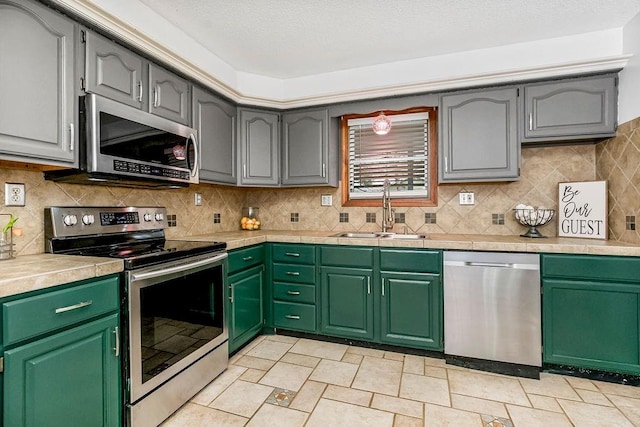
123,146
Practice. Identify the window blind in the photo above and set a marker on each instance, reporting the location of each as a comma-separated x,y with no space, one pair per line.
401,156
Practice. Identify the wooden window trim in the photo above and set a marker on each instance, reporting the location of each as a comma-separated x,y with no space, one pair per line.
433,160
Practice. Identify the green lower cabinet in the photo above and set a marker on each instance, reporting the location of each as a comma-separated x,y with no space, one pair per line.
246,315
592,324
69,378
347,302
410,310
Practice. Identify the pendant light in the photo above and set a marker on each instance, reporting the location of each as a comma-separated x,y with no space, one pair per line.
381,125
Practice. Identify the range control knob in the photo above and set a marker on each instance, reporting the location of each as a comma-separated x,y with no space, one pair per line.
159,217
88,219
70,220
147,217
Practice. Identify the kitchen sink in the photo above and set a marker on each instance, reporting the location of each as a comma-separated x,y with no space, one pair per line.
380,235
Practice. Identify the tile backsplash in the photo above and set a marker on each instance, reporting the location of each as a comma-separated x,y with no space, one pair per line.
616,160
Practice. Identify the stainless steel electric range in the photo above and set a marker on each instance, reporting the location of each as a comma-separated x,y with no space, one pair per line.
172,296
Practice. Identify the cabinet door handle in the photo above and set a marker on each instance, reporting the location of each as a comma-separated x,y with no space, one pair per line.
293,254
530,121
293,273
446,164
247,258
383,287
244,170
140,90
116,349
293,292
292,316
155,97
72,137
74,307
232,294
324,170
368,285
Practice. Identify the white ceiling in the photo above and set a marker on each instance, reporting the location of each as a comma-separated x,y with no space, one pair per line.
293,38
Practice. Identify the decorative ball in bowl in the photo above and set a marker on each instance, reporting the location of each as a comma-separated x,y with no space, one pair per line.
533,218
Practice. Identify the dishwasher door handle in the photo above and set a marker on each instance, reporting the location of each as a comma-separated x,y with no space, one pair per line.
489,264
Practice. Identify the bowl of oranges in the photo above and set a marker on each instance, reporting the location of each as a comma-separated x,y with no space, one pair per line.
250,219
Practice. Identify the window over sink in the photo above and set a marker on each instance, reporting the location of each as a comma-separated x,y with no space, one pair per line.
406,156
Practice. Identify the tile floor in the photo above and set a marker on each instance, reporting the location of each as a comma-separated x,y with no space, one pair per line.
284,381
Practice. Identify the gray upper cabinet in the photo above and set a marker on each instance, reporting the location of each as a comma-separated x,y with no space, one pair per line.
37,110
305,148
117,73
168,95
259,142
215,121
570,109
479,136
114,71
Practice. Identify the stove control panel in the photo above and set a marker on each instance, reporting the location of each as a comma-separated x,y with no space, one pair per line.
74,221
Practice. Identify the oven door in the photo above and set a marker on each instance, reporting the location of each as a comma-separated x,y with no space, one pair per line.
176,316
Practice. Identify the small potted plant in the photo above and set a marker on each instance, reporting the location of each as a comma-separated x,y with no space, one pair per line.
6,238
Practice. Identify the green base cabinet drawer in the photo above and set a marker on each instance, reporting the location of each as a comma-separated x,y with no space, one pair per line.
294,292
294,273
294,254
288,315
32,316
245,258
414,261
591,267
341,256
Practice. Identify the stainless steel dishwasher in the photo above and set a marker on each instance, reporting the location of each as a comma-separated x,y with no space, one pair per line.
492,307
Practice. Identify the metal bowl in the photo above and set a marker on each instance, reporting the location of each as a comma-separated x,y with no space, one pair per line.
533,218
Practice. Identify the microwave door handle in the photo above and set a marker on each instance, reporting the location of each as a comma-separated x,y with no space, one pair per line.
196,159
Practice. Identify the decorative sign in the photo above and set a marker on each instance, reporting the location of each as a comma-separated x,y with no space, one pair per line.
582,209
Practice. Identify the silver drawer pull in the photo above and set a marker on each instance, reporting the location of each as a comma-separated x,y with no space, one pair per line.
293,292
247,258
74,307
293,254
292,316
293,273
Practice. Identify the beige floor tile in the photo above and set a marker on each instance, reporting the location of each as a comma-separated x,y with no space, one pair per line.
332,372
434,371
404,421
255,363
527,417
550,385
432,361
618,389
330,413
425,389
301,359
630,407
282,338
233,359
286,376
413,365
379,375
481,406
252,375
394,356
217,386
594,397
308,396
489,387
439,416
257,340
586,415
545,403
347,395
273,415
352,358
325,350
196,415
410,408
242,398
364,351
581,383
267,349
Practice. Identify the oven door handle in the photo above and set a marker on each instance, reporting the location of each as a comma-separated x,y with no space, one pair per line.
178,268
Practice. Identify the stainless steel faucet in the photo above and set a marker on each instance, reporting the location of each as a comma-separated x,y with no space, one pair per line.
387,211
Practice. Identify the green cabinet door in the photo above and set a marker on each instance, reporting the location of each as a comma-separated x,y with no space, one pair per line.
592,324
70,378
410,310
245,306
347,303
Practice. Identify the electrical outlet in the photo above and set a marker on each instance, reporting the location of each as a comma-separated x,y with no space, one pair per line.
326,200
198,199
467,198
13,194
